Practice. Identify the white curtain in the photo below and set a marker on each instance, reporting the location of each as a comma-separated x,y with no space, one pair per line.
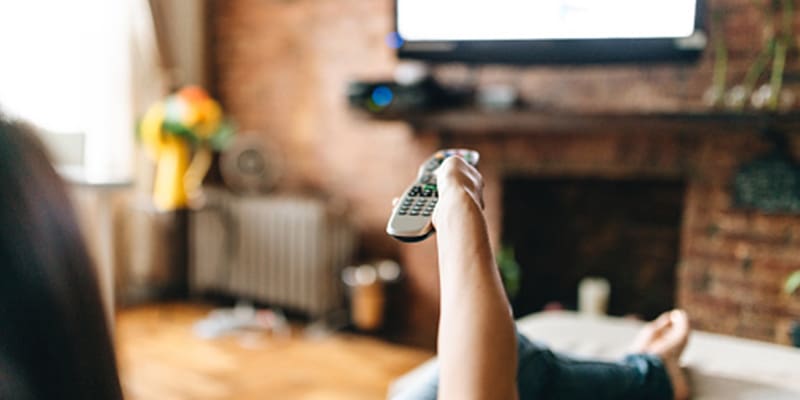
85,68
122,76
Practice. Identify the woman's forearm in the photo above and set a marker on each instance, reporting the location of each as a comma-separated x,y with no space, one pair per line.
477,343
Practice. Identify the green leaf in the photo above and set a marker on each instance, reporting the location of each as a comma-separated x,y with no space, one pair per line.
223,137
792,283
510,271
179,130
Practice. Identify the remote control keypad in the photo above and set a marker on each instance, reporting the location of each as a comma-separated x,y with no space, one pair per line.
420,200
412,222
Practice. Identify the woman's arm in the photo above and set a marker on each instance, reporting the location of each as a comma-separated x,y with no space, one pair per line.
477,342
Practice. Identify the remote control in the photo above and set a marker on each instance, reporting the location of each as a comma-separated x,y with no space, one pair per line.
411,216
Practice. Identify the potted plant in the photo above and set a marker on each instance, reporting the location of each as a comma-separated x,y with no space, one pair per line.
791,286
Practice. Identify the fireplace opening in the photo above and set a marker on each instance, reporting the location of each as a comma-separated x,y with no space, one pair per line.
563,230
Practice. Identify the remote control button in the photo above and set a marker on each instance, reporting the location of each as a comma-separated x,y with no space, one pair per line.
422,201
426,214
414,213
427,193
402,212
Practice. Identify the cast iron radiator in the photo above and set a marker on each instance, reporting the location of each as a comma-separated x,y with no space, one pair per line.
283,251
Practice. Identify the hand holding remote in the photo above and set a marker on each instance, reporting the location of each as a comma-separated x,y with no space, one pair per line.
411,217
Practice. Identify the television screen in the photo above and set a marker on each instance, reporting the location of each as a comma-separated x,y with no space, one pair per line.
549,30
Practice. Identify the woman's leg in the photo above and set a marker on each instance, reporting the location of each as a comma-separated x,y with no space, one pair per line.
652,372
544,374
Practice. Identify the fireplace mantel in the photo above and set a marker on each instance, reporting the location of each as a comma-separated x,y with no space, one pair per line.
475,122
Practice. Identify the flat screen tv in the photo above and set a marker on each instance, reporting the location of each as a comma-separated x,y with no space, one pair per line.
549,31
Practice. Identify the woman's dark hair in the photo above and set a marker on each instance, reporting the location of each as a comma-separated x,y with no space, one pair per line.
54,338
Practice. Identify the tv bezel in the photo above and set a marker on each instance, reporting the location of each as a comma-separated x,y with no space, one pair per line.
561,51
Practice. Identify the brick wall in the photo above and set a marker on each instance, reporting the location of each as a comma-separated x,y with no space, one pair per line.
734,262
281,67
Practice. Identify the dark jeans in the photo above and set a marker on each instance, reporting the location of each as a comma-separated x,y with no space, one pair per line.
543,374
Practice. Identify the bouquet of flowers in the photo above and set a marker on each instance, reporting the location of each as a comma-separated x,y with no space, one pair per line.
180,133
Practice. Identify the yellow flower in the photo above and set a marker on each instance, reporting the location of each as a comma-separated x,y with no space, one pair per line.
150,130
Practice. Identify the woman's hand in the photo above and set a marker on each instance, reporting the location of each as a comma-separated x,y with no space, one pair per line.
460,191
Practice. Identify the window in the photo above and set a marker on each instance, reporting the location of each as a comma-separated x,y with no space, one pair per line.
67,67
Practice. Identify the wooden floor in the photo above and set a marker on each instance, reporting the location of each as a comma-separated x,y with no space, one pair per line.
161,359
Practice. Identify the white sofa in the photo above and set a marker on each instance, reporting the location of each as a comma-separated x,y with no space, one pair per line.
719,367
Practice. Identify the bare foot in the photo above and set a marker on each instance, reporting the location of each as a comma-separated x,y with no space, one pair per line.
666,337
